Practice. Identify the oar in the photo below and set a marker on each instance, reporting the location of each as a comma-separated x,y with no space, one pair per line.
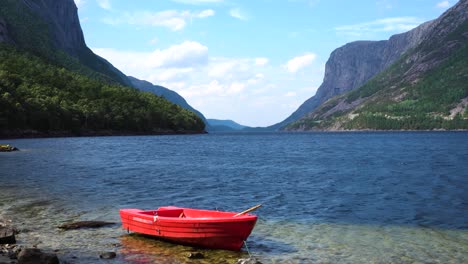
248,210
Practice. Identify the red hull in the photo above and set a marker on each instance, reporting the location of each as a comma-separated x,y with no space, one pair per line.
203,228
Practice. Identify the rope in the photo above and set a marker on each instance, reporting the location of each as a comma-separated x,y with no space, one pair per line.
246,247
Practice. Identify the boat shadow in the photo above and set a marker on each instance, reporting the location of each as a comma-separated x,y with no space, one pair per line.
142,249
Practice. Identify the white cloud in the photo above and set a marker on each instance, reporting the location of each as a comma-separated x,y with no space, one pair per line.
172,19
80,3
252,90
393,24
237,13
105,4
298,63
261,61
170,75
185,55
443,4
222,69
206,13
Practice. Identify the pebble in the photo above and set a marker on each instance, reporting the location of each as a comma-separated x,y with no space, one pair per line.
195,255
248,261
108,255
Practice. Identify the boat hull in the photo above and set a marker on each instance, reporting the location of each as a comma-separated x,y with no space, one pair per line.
202,228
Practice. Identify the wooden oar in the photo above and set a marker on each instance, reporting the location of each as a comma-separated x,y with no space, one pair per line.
248,210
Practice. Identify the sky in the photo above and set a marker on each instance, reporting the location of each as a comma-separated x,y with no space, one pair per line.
252,61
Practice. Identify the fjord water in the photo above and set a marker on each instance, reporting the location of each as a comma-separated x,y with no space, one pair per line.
397,197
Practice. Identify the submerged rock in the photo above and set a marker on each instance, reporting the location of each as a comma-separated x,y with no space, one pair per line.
248,261
7,235
85,224
108,255
7,148
36,256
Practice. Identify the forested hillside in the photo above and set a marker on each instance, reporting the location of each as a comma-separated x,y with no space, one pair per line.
39,96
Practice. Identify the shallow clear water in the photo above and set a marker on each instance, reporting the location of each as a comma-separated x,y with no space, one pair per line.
327,197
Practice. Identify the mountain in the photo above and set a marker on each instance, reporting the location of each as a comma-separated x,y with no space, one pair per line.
51,83
353,64
51,29
425,88
163,92
224,125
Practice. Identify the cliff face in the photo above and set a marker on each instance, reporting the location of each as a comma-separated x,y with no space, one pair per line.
353,64
51,28
63,21
425,88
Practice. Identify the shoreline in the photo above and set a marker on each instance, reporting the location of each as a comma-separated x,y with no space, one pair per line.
67,134
15,248
372,130
24,134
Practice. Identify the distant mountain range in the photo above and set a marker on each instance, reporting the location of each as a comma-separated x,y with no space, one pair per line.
217,125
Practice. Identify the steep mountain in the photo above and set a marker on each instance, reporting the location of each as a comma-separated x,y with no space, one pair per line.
51,29
224,125
353,64
51,83
426,87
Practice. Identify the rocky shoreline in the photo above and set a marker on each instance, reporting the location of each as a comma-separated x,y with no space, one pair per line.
13,253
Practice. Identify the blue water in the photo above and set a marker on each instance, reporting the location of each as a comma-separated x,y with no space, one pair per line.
327,197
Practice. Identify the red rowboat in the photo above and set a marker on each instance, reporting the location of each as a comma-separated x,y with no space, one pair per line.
203,228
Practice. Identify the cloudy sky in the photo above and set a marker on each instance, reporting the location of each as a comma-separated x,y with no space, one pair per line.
254,62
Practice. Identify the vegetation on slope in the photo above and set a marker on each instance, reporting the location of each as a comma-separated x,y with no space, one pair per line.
36,95
426,104
399,98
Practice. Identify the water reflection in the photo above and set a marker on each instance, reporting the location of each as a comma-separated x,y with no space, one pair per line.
141,249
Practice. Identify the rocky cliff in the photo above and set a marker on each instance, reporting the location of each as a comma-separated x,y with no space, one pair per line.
353,64
51,28
425,88
63,21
